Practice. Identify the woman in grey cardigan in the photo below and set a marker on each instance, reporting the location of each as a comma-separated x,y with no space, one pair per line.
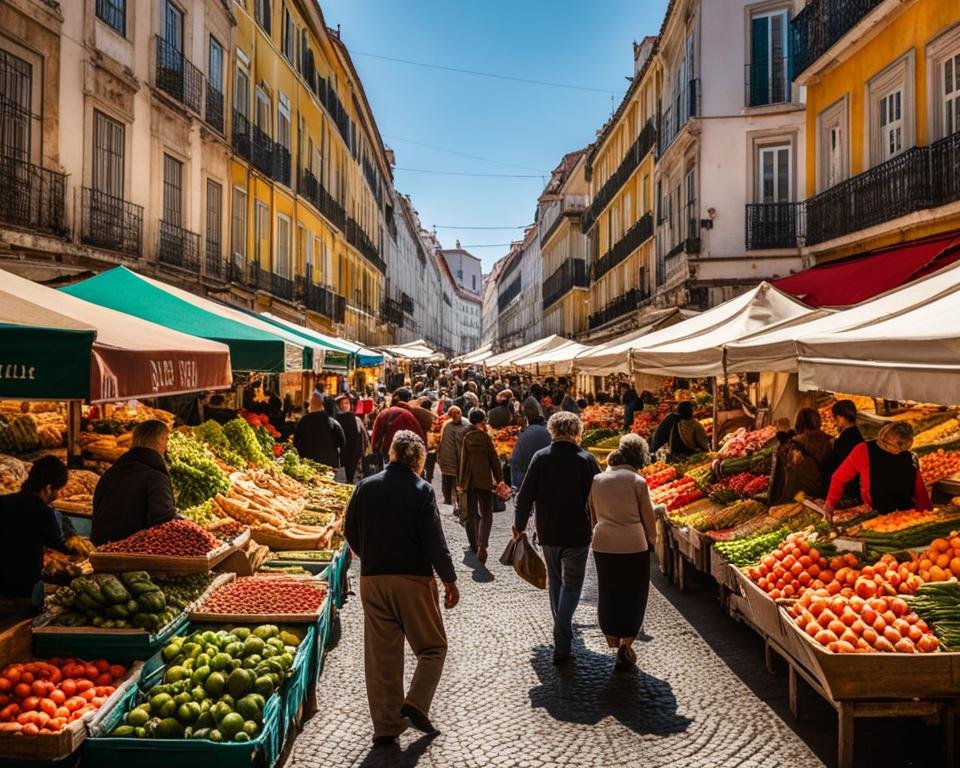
624,531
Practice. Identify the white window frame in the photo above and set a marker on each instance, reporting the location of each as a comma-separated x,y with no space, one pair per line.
944,47
263,98
284,137
261,221
283,264
836,116
238,215
774,149
900,75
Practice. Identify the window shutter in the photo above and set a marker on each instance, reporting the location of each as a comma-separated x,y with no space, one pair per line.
759,62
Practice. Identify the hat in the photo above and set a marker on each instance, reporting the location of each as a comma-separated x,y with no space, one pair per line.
504,395
403,394
532,409
895,437
343,396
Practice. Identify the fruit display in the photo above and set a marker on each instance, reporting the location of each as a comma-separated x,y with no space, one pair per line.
254,596
211,434
939,606
794,516
939,465
600,437
243,441
941,561
215,685
661,477
742,442
645,422
505,440
45,696
175,538
945,432
749,549
898,531
602,416
194,472
12,473
78,492
757,463
720,517
310,555
104,447
259,420
132,600
853,624
652,469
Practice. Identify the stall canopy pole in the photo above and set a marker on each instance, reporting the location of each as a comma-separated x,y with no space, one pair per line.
74,416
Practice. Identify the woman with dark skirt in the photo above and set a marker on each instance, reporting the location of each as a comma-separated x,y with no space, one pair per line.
624,531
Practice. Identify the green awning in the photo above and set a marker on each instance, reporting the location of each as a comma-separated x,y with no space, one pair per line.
47,363
252,347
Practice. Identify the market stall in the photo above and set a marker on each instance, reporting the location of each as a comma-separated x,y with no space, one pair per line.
506,359
476,357
557,361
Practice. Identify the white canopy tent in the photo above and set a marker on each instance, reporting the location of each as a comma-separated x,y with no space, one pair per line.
413,350
475,357
505,359
559,359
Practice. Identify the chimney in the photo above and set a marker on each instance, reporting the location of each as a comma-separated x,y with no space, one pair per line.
641,52
458,244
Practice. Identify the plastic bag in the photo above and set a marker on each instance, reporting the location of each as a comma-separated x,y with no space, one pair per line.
526,561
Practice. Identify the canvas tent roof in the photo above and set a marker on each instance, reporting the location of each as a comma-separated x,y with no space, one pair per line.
254,344
413,350
560,358
85,351
363,357
476,356
540,345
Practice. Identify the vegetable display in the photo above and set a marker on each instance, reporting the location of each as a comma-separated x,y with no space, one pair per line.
45,696
215,686
939,606
194,472
243,440
175,538
265,595
750,549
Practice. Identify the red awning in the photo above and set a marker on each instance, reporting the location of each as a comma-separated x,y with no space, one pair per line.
850,281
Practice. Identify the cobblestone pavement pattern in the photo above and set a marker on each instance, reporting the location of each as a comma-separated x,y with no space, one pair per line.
502,703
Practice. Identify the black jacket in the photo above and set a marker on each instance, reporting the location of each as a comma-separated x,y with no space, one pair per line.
558,481
29,525
393,525
661,435
846,441
135,493
352,450
499,417
320,438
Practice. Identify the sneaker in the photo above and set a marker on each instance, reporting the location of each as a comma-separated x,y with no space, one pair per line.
379,742
417,719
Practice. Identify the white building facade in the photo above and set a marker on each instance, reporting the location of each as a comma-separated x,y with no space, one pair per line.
520,294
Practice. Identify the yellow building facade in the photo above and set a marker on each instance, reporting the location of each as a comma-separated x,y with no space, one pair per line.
883,122
619,222
310,198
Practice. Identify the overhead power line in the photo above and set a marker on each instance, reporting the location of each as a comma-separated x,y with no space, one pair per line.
494,75
467,173
488,245
451,226
465,154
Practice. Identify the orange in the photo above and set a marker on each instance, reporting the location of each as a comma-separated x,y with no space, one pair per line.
955,566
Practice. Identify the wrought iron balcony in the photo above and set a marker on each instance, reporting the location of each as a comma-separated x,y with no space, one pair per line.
511,292
31,197
262,154
822,23
177,76
314,192
691,246
258,279
329,304
622,305
945,169
638,150
684,104
179,247
392,312
213,116
281,167
241,135
774,225
234,272
110,222
359,240
632,239
281,287
406,303
768,81
213,259
569,275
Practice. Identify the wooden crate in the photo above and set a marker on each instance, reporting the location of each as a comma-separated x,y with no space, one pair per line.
723,572
196,613
118,562
757,607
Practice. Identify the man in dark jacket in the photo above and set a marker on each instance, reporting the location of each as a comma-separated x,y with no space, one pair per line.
318,436
393,525
845,415
558,481
661,435
480,471
534,437
501,415
356,439
135,493
391,420
630,403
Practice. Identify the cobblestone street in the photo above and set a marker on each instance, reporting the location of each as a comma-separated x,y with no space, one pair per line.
502,703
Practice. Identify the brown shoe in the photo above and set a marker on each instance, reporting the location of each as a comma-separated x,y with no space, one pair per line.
417,719
482,555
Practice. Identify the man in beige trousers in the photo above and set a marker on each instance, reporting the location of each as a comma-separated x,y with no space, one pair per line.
393,526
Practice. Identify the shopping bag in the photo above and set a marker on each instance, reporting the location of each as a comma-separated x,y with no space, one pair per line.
526,561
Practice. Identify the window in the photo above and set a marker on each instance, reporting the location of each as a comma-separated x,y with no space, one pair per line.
263,111
283,121
261,232
108,151
832,145
769,76
215,66
241,88
238,233
113,13
261,12
287,35
282,264
891,124
773,174
693,220
214,218
950,109
16,96
172,191
173,26
943,83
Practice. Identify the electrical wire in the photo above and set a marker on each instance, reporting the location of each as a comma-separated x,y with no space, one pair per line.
467,173
486,74
464,154
451,226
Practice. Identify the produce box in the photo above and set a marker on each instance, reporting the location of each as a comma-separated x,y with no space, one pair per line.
722,572
121,645
758,608
114,562
201,612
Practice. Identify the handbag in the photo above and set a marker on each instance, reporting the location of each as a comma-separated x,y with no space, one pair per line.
526,561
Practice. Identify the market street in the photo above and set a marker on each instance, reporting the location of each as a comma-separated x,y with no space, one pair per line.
502,703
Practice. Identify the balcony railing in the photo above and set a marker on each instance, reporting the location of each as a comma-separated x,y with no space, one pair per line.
822,23
213,115
234,272
392,312
32,197
632,239
241,135
262,155
691,246
554,213
945,169
773,225
569,275
314,192
620,306
406,303
512,291
684,105
281,167
177,76
281,287
644,143
213,259
110,222
359,240
179,247
768,81
325,301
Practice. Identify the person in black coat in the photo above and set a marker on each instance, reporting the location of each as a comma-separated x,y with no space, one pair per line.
136,492
318,436
845,415
354,433
630,403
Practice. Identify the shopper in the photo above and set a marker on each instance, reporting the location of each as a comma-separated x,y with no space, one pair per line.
448,454
393,526
533,437
318,436
558,481
501,415
480,471
630,403
422,413
391,420
889,477
624,530
30,525
569,403
356,440
135,493
687,436
806,453
845,416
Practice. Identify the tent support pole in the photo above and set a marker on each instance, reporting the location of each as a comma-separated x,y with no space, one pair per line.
74,416
715,437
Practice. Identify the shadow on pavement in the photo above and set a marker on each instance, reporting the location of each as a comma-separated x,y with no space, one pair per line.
588,690
396,756
480,572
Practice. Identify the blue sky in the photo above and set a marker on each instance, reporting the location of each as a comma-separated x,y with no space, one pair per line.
525,128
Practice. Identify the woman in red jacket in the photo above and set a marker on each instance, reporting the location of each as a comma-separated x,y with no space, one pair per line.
889,477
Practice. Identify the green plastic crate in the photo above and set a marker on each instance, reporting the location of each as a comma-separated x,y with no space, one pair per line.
119,648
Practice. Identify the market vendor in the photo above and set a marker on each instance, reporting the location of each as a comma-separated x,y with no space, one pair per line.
685,436
31,525
136,492
845,416
889,477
